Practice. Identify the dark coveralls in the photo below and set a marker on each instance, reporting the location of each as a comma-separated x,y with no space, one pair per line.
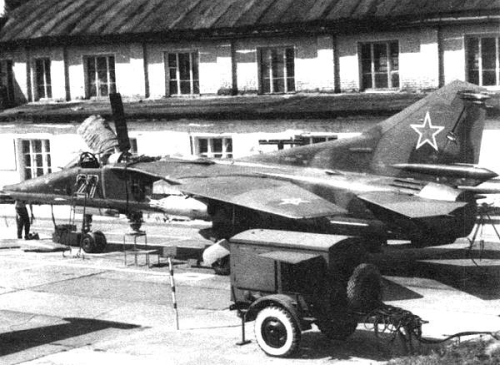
22,219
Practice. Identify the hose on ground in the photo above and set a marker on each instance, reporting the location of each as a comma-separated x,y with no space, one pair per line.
406,325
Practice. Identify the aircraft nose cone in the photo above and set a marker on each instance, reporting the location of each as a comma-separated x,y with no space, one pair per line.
4,196
22,186
27,189
12,192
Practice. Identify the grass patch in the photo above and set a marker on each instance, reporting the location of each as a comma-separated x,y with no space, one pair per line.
470,352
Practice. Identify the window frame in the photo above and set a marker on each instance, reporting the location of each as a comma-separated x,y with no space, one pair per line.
178,80
7,79
133,146
30,154
227,146
481,70
313,138
46,79
111,84
389,66
288,71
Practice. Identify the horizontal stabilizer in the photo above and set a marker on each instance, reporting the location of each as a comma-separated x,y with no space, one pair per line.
412,206
264,195
489,187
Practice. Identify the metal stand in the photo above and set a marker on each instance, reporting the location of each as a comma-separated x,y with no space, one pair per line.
243,340
135,251
484,219
72,234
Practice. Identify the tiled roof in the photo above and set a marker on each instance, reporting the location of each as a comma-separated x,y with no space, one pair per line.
70,19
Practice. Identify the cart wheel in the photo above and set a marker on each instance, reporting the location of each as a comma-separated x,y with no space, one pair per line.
339,328
364,289
100,241
88,243
222,266
277,332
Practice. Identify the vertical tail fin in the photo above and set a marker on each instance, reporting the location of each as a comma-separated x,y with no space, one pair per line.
444,128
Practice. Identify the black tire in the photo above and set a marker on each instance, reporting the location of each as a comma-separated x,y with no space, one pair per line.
88,243
277,332
222,266
339,328
334,320
100,241
364,289
346,256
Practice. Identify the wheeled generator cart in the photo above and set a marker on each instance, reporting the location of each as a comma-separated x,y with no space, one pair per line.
286,281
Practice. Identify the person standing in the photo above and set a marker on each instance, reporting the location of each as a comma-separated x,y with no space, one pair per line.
23,219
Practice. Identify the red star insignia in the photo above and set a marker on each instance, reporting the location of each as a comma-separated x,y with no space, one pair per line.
427,132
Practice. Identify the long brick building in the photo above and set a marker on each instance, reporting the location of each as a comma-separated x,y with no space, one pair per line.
70,50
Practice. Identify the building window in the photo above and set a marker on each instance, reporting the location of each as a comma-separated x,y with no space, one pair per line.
6,83
298,140
380,65
213,147
312,138
483,61
36,157
183,73
43,82
277,70
101,80
133,146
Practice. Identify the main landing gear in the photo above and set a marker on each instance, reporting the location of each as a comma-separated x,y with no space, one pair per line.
86,240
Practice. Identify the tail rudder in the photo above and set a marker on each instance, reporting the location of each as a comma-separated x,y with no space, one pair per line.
444,128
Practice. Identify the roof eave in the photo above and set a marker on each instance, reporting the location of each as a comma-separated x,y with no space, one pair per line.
340,27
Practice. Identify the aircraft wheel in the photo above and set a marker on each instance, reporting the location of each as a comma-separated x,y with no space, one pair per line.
100,241
88,243
94,242
338,328
364,289
222,266
276,332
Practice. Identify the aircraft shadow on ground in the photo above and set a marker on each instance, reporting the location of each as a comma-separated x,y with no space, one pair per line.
17,341
474,272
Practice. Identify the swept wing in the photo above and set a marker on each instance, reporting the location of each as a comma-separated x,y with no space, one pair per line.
263,194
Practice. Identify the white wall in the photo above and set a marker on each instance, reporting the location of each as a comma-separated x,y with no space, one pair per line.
162,143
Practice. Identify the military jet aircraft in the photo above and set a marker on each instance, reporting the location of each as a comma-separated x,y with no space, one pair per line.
413,176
